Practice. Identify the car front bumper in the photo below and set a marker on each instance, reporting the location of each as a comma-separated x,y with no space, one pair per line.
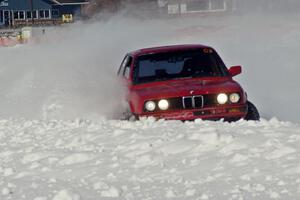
228,113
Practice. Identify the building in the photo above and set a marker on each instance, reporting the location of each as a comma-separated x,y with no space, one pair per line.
214,6
275,6
195,6
39,12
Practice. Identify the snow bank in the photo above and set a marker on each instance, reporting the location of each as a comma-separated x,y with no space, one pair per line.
82,159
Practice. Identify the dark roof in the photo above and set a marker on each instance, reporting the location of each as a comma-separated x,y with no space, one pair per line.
167,48
70,2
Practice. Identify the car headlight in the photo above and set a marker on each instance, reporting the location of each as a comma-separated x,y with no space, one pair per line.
150,105
222,98
163,104
234,97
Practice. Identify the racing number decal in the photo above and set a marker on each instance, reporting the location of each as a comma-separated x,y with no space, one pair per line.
207,50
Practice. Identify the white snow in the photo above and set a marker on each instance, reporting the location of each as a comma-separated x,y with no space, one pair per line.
242,160
75,158
66,195
111,192
5,191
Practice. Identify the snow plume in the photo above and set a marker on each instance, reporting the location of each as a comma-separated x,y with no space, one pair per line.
71,71
72,74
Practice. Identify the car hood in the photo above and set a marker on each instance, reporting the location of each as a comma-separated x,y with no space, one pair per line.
187,87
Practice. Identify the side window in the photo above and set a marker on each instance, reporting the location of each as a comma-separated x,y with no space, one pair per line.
126,73
125,67
121,69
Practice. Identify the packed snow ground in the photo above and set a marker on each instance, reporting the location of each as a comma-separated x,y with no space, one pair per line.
148,159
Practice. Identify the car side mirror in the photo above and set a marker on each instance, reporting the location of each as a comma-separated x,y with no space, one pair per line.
235,70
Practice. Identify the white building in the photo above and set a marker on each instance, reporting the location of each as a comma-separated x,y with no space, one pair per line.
195,6
206,6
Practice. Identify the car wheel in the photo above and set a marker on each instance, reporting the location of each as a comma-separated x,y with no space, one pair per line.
129,116
252,113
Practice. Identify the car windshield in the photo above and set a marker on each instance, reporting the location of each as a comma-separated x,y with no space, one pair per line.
179,64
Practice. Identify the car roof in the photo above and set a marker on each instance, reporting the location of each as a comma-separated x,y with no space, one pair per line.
159,49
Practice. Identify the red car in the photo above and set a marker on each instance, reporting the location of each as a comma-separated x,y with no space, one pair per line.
183,82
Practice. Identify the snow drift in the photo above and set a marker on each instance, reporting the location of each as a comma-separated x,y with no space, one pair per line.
84,160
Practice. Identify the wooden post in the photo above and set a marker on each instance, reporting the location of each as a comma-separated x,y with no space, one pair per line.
31,7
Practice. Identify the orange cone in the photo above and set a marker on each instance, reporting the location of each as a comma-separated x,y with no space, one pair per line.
9,42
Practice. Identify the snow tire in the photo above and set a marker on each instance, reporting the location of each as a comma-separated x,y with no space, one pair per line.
252,113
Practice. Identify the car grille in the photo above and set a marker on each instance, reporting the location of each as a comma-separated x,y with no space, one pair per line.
192,102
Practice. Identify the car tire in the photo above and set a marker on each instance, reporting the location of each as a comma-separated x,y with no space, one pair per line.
128,116
252,113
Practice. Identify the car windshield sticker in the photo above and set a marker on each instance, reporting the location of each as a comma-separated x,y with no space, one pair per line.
207,50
